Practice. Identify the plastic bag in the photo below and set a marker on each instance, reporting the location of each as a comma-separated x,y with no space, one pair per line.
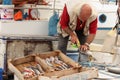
53,24
7,2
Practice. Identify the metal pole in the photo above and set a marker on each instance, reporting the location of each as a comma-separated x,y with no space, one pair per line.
54,6
118,25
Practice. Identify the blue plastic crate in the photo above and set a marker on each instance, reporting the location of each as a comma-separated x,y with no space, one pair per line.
73,55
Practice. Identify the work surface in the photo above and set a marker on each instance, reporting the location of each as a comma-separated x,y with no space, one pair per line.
103,74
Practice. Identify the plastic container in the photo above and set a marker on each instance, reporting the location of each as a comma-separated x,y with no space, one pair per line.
1,73
73,55
6,12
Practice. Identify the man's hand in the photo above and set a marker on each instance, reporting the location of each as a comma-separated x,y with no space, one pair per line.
74,39
73,36
89,39
84,48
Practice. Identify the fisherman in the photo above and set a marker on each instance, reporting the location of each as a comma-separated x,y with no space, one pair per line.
79,22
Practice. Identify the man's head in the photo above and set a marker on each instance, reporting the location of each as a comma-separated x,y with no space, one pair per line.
85,12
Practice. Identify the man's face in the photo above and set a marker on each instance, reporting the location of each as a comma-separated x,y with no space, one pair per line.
85,13
84,16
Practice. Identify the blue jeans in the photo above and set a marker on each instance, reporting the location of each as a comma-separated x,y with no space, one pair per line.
63,42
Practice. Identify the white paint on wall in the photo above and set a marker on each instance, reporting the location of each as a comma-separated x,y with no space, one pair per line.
24,28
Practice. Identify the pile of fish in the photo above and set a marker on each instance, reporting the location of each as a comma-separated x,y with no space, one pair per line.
56,63
31,71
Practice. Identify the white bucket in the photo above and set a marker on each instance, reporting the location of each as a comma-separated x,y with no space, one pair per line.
6,12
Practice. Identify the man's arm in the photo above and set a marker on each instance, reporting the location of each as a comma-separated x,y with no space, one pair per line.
72,35
64,21
91,36
92,33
